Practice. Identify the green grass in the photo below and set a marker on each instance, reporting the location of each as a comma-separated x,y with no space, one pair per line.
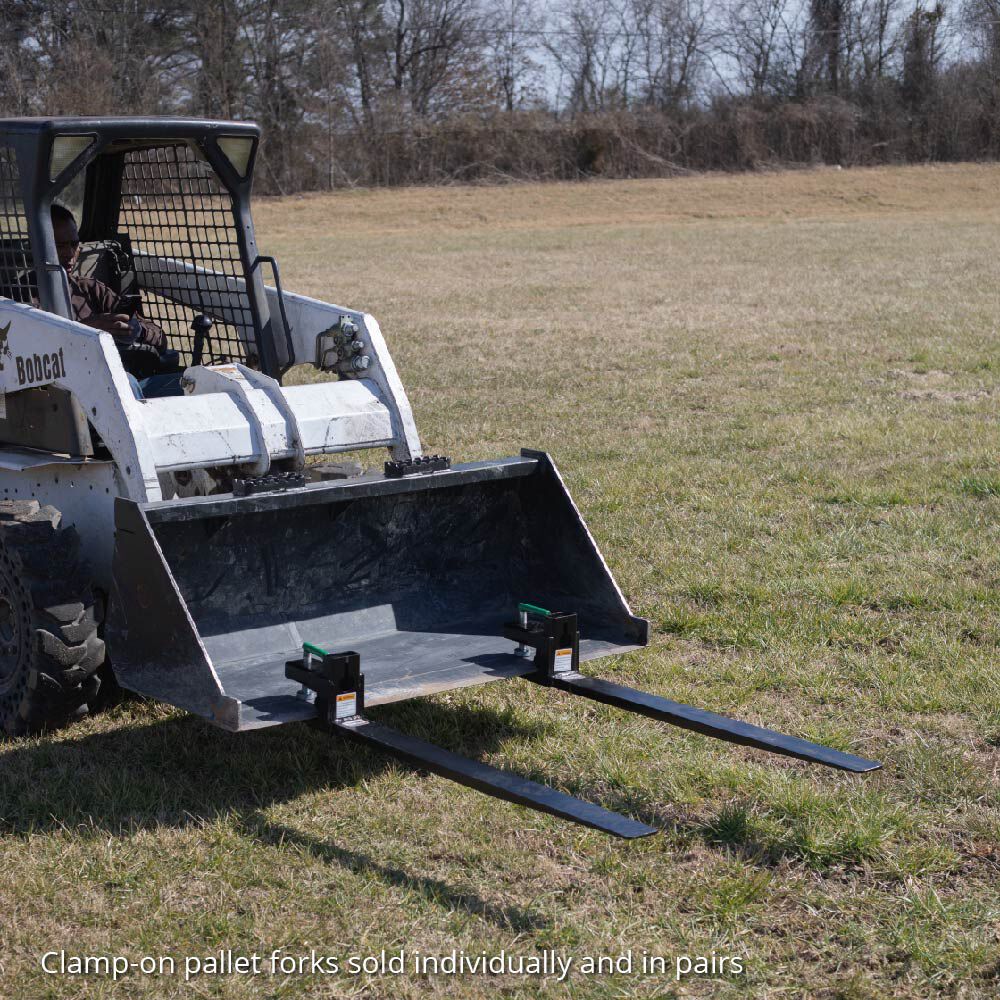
774,399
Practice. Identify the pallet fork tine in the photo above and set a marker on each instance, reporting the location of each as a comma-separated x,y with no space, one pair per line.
708,723
482,777
556,641
337,680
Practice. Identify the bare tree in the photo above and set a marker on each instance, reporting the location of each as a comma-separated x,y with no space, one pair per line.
64,56
981,19
433,44
921,54
827,28
217,70
586,47
327,77
276,41
761,41
512,32
363,27
872,40
671,41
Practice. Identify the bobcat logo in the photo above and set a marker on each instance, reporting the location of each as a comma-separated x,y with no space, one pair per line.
4,346
33,368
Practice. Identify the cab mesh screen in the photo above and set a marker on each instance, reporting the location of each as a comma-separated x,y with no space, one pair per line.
17,279
180,222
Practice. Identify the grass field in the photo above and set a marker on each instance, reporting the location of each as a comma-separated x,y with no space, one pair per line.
774,398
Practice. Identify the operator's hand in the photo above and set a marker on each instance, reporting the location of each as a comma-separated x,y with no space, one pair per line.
114,323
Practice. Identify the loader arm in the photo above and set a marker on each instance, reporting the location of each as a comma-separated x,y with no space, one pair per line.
307,318
231,417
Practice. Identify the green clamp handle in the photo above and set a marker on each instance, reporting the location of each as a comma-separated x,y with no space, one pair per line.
308,647
533,609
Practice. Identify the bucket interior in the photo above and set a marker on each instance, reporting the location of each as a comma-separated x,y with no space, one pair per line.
419,583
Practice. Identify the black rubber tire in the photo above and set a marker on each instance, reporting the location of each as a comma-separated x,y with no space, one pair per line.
50,650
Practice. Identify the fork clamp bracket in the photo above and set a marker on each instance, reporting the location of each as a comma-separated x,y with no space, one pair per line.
555,639
337,680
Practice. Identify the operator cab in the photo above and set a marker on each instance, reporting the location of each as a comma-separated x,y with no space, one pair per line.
163,207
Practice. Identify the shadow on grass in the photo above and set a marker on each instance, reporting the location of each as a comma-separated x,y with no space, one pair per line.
434,890
181,771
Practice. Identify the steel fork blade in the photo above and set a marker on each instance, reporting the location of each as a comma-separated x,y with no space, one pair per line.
500,784
708,723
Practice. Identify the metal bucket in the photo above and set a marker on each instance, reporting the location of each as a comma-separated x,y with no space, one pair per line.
212,595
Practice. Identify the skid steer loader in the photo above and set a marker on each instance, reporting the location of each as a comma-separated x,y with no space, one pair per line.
185,536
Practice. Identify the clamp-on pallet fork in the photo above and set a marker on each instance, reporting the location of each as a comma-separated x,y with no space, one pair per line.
339,685
556,641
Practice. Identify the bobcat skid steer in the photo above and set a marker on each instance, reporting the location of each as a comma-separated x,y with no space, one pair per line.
185,536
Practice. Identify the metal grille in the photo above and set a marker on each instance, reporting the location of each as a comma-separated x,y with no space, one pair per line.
180,222
17,278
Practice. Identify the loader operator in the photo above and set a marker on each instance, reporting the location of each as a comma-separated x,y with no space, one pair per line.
140,342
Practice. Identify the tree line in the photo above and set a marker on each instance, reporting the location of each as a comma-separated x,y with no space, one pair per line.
423,91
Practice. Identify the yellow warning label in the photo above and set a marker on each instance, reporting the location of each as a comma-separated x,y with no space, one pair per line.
346,705
564,660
